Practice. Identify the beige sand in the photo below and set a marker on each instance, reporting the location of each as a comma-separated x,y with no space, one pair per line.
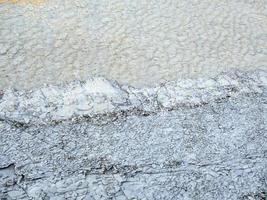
139,43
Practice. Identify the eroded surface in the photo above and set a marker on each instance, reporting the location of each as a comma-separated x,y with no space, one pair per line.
209,143
56,40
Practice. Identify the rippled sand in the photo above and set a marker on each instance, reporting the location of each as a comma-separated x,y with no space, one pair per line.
134,42
36,2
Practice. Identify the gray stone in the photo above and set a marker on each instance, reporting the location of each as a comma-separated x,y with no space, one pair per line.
174,147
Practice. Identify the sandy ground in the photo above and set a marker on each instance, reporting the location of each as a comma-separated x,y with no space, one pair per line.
133,42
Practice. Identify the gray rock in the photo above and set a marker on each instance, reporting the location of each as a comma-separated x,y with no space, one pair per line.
203,140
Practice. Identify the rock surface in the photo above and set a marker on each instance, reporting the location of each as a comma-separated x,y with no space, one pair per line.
173,126
186,139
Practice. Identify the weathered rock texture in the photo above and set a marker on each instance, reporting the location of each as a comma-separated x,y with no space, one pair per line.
153,134
186,139
50,41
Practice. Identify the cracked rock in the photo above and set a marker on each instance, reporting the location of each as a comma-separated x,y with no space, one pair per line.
186,139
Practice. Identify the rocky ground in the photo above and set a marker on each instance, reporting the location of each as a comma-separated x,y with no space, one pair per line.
185,139
154,134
